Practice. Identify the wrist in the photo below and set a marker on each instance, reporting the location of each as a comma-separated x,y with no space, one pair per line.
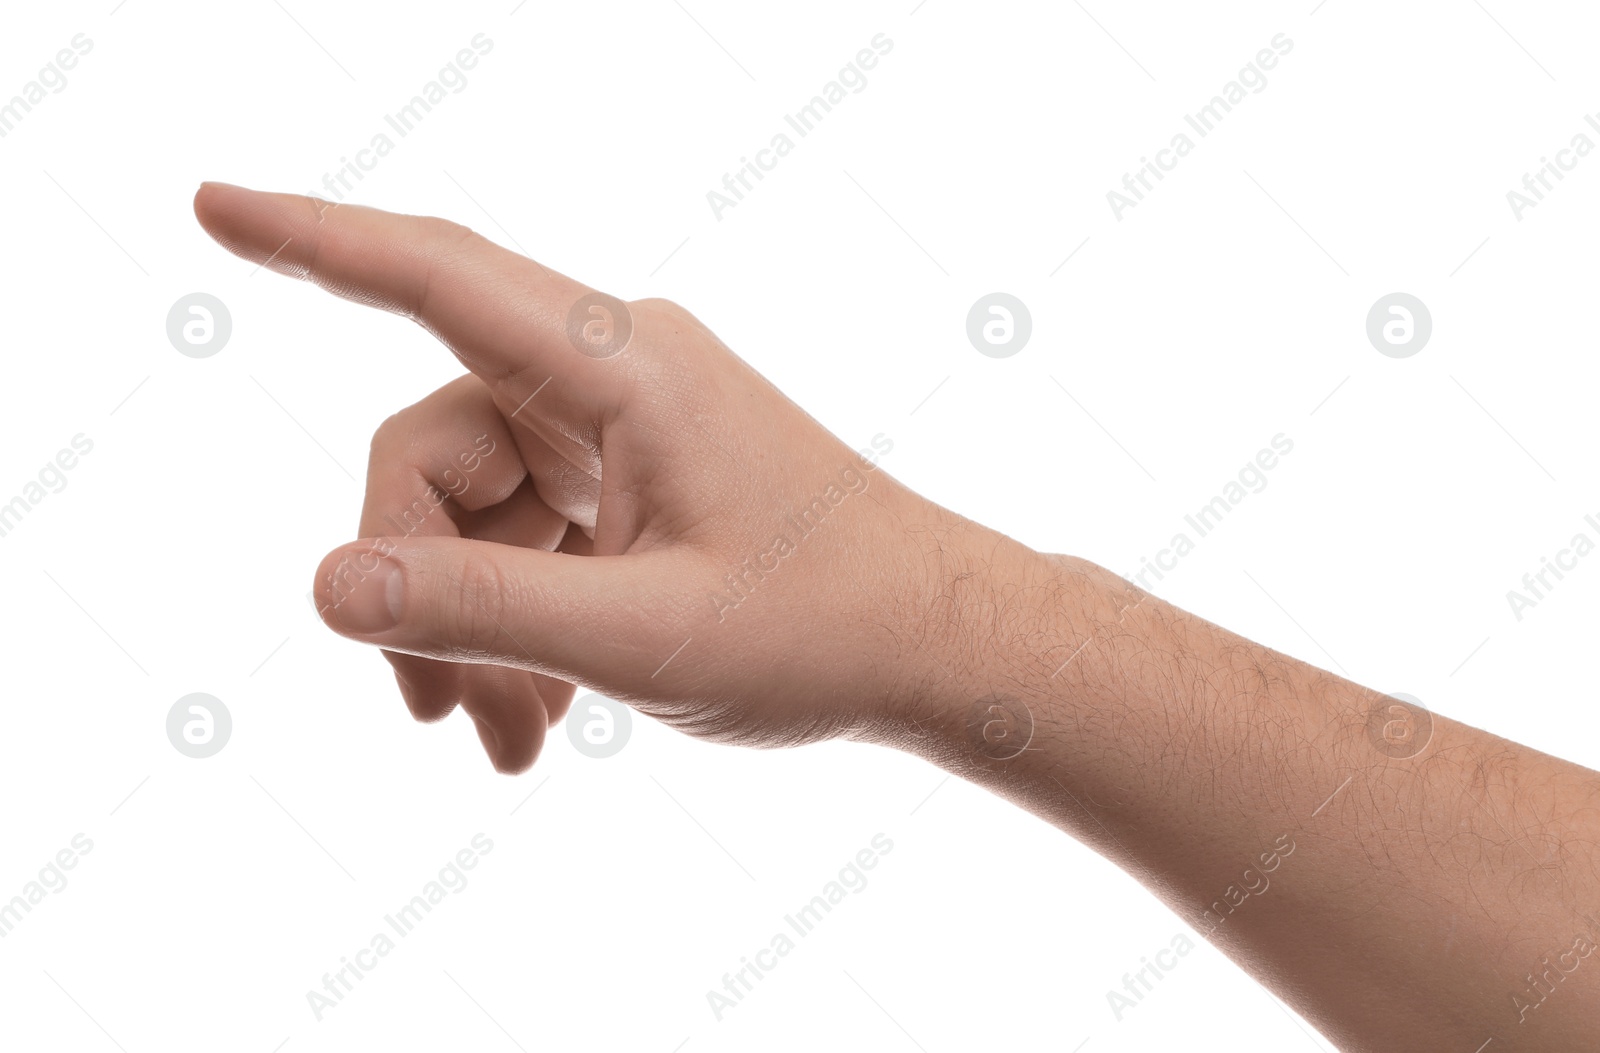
998,625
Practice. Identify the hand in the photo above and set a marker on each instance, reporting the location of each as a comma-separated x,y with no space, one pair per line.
626,514
628,507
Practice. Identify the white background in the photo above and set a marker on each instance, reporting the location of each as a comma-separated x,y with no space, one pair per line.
1171,346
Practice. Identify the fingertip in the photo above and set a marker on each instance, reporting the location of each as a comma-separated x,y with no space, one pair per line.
359,590
507,758
218,209
323,593
214,186
515,763
211,196
516,722
257,225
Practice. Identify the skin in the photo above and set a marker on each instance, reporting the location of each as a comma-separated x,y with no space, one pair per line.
1404,881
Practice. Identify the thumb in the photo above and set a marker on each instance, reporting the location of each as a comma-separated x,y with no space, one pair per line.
579,618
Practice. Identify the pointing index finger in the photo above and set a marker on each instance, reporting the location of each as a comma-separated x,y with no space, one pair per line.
504,316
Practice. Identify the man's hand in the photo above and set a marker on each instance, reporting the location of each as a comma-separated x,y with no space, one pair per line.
646,516
611,498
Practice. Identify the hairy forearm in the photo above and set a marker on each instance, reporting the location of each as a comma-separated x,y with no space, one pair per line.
1403,880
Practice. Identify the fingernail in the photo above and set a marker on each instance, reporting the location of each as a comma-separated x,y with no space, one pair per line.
373,605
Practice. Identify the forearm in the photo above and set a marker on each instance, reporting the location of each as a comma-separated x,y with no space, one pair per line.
1398,892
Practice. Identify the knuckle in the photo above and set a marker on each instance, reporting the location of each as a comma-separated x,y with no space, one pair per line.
444,240
445,233
659,307
673,343
387,436
479,608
